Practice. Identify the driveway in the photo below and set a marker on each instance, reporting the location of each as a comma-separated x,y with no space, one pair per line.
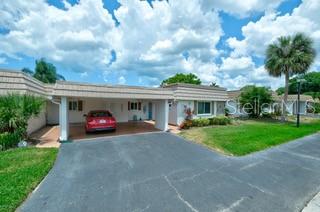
163,172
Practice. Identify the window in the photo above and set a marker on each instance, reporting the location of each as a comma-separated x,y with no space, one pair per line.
204,108
134,105
75,105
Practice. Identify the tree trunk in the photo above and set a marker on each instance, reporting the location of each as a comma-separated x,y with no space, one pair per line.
285,97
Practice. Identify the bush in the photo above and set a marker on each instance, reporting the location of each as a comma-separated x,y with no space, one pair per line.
186,124
200,122
317,108
220,120
8,140
16,110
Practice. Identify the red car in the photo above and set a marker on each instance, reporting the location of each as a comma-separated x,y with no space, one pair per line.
99,120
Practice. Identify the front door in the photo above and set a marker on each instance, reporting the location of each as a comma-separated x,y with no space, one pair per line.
150,111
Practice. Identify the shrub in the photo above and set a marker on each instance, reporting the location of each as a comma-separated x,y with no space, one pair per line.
200,122
16,110
186,124
317,108
220,120
8,140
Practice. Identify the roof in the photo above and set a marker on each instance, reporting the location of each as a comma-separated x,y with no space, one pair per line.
17,81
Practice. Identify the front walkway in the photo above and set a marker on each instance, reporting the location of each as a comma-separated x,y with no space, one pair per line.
163,172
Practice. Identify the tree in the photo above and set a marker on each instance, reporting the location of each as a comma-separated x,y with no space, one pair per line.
44,71
280,91
213,84
289,56
254,100
310,87
16,110
27,71
182,78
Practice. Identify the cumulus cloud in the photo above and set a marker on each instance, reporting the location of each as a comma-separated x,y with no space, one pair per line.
151,42
122,80
258,35
77,38
242,8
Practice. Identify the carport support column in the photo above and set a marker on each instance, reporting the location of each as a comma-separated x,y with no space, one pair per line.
63,119
162,115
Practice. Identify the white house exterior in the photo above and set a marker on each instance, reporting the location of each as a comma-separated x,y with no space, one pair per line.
203,101
67,102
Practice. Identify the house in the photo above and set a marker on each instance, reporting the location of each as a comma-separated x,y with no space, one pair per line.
203,101
235,109
68,102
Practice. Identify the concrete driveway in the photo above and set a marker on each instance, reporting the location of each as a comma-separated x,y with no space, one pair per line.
162,172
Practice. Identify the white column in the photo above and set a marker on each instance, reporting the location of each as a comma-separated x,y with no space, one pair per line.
162,115
63,119
215,108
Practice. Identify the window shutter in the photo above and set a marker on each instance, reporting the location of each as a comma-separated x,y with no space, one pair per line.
212,107
195,108
139,106
80,105
129,105
70,105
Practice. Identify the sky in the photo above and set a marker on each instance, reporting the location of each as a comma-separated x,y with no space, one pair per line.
139,42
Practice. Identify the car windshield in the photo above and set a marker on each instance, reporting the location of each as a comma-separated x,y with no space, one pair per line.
100,114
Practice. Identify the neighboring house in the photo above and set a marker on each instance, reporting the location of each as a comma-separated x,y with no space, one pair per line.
67,102
233,104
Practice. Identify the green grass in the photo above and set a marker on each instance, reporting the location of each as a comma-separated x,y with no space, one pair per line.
244,137
21,170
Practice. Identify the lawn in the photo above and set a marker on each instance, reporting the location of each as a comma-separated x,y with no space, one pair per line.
21,170
244,137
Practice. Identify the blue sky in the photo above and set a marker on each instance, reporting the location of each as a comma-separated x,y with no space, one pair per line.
141,43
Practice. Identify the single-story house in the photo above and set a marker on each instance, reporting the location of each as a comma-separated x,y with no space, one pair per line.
67,102
233,103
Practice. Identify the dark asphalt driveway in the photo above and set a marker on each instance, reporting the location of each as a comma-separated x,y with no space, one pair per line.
162,172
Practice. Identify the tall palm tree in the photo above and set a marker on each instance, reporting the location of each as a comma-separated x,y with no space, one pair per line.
289,56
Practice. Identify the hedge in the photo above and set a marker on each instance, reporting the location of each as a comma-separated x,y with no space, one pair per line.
8,140
202,122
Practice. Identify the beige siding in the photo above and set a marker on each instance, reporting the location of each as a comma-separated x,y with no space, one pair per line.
36,123
52,113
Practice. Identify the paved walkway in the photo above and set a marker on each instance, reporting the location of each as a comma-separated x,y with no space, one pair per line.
163,172
313,205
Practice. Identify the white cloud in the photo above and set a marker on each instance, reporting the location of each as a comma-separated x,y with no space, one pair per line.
241,8
258,35
150,41
122,80
84,74
77,38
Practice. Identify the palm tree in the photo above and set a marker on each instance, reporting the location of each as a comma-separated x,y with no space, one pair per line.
289,56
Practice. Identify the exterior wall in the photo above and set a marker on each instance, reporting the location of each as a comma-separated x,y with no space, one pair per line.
303,108
119,109
162,115
220,108
177,115
140,114
181,105
52,113
233,108
36,123
173,113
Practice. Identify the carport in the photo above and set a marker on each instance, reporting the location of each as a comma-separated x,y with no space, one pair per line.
130,105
